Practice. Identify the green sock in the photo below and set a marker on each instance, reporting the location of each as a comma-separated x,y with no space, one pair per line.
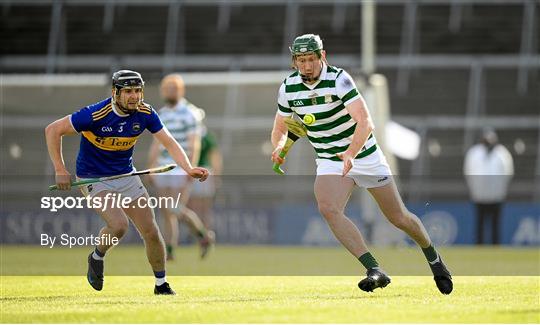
169,249
430,252
368,261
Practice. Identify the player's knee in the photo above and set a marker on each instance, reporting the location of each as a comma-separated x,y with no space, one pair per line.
119,228
400,219
329,211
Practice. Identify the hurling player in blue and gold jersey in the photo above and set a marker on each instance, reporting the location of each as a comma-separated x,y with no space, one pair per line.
109,130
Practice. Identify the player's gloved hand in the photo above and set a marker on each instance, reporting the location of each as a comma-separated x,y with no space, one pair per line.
348,161
63,179
275,155
199,172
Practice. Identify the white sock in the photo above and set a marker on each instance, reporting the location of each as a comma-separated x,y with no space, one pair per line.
97,257
160,281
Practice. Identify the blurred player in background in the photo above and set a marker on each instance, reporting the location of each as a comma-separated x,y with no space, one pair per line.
109,132
347,155
183,122
203,194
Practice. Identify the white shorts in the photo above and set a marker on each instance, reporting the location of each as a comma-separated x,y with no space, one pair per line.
370,171
175,178
131,187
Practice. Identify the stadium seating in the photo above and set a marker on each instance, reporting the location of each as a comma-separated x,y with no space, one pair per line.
485,29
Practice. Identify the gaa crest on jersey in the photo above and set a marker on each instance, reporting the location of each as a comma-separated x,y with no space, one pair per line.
327,99
313,97
136,127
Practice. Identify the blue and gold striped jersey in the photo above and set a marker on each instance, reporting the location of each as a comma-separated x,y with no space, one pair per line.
108,137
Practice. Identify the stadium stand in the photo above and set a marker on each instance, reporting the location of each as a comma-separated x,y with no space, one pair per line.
101,36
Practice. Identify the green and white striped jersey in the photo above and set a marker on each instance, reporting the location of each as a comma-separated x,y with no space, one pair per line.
181,121
333,129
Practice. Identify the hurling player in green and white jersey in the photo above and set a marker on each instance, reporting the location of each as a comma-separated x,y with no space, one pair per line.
181,119
347,155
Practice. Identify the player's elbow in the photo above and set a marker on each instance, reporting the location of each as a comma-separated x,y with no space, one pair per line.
51,130
370,126
57,128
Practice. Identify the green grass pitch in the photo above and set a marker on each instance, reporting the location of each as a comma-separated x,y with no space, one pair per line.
243,293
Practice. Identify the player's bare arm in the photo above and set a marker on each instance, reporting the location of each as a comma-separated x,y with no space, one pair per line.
53,134
364,127
179,155
278,138
194,145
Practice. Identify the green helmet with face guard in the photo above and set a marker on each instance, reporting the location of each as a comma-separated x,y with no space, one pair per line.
305,44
